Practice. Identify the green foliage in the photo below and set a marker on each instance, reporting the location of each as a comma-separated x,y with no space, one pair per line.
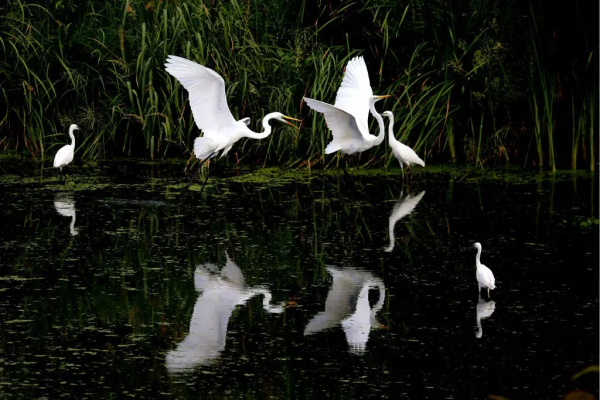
461,76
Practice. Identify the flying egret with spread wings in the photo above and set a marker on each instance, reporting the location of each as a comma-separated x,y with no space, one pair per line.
403,153
208,102
348,118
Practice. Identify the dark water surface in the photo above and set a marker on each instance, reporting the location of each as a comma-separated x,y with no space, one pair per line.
111,287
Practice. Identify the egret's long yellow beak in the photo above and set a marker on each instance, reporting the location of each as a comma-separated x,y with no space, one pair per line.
385,96
293,119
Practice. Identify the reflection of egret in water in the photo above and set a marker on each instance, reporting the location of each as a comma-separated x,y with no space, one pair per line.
347,304
220,294
403,207
65,205
484,310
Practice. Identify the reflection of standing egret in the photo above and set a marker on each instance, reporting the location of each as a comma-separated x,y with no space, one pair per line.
65,206
485,277
347,304
403,207
220,293
484,310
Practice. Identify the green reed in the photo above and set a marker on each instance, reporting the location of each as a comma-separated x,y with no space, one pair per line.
101,64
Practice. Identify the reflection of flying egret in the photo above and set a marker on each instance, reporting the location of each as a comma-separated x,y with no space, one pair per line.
347,304
484,310
65,154
403,207
220,293
348,118
65,206
403,153
208,102
485,277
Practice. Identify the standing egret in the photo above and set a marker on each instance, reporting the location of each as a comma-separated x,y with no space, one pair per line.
348,118
211,113
485,277
403,153
403,207
65,154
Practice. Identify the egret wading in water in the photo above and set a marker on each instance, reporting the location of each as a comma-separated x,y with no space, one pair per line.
65,154
403,153
485,277
348,118
208,102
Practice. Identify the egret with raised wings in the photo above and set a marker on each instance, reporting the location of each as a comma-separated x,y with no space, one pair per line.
211,113
348,118
403,153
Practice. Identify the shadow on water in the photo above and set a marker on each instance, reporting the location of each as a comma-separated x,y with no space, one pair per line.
306,287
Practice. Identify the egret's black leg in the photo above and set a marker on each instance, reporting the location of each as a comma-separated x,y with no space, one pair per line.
196,173
205,180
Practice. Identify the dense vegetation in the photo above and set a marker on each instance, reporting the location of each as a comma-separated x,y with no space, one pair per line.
471,81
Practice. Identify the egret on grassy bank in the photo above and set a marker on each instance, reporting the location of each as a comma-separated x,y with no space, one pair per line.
65,154
485,277
348,118
403,153
208,102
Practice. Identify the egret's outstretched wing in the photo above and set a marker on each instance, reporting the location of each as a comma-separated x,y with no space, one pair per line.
342,125
206,89
355,92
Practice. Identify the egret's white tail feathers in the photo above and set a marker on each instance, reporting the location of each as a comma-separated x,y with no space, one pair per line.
332,147
204,148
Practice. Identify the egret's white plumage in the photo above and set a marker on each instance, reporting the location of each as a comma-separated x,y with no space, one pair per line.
403,207
208,102
65,154
403,153
485,277
348,118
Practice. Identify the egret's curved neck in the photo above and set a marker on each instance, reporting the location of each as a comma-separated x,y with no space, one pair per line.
71,130
266,129
391,136
477,262
72,224
377,116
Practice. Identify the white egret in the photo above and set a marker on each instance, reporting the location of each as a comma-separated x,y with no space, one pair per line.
65,154
484,309
403,207
347,304
403,153
219,294
211,113
485,277
348,118
65,206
